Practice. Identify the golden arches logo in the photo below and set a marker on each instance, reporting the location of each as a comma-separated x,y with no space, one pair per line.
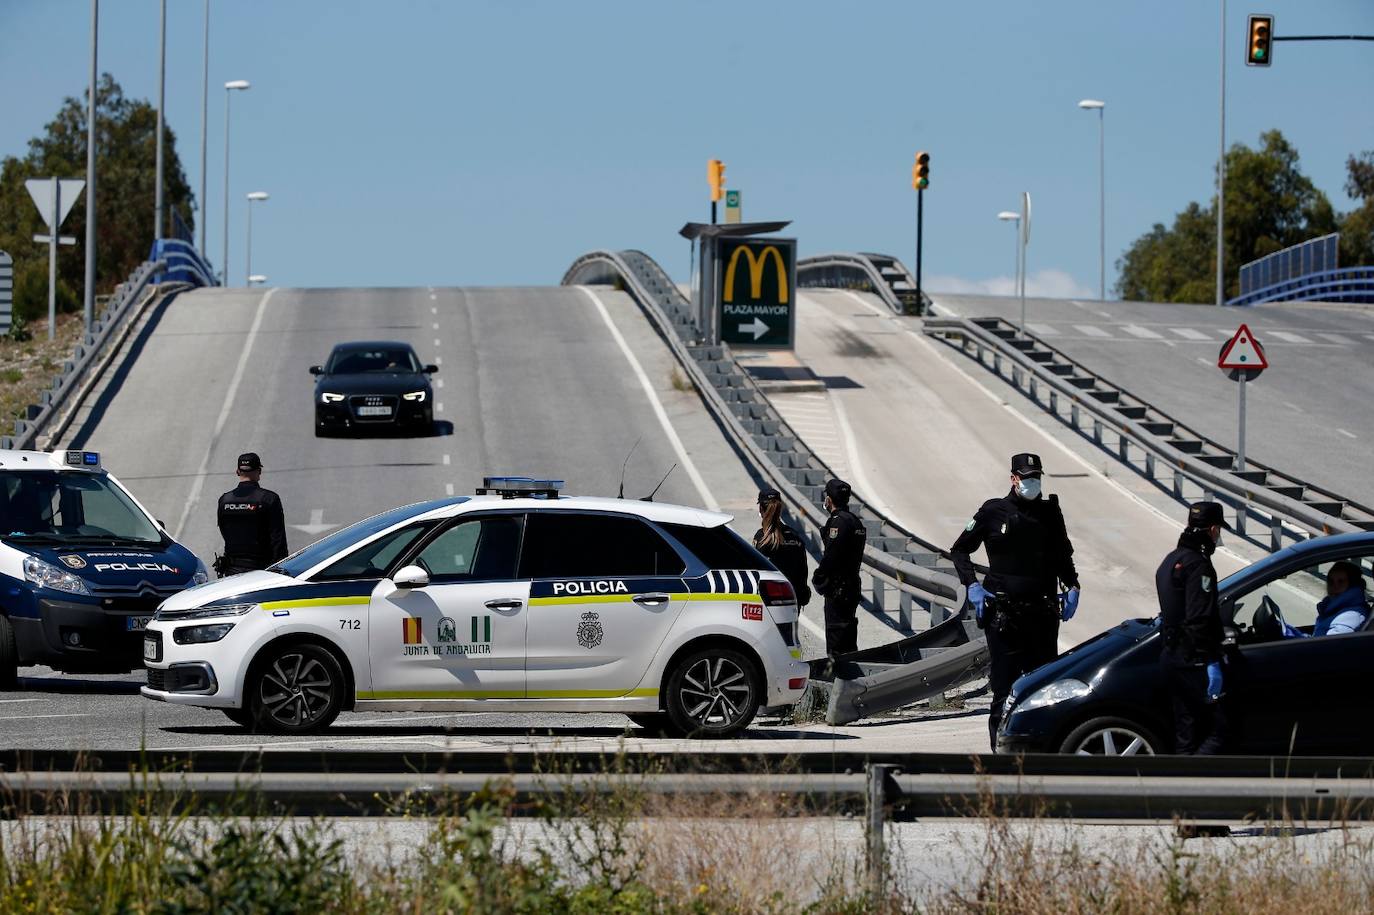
756,264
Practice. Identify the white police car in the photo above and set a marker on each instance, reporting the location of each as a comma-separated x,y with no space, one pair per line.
83,565
516,600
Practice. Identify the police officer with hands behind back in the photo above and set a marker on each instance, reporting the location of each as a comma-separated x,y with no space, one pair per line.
1018,604
251,521
782,545
837,574
1190,621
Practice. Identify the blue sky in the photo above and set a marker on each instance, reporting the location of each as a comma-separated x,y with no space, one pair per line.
491,143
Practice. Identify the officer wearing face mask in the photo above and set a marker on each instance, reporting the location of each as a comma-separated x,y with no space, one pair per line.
837,574
1019,603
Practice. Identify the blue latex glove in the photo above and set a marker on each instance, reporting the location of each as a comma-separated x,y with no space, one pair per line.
1214,681
977,596
1290,633
1069,604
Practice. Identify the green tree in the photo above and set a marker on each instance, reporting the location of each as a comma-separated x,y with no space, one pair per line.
1357,228
126,135
1270,204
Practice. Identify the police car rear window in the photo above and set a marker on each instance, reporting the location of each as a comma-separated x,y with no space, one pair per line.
718,547
568,545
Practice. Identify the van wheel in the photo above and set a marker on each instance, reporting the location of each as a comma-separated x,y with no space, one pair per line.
294,689
9,655
1111,737
713,693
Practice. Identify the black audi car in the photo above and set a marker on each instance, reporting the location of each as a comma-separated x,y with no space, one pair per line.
373,386
1311,696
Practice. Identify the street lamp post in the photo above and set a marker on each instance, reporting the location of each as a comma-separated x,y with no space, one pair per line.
161,101
204,125
89,310
1015,220
254,197
230,87
1089,104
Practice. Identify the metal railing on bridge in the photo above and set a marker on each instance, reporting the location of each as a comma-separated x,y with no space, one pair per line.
881,274
1344,284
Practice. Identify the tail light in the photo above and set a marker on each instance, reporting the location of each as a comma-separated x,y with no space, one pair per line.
776,592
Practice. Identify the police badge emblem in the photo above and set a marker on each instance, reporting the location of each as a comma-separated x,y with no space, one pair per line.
589,632
73,562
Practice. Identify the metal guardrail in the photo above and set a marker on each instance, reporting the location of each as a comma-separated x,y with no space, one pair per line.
1343,284
84,357
184,264
1165,445
881,274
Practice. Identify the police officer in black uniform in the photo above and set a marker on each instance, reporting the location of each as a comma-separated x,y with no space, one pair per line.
782,545
1018,604
1190,621
837,574
251,521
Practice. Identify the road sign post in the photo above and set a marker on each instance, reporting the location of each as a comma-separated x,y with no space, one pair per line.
757,283
54,198
1242,358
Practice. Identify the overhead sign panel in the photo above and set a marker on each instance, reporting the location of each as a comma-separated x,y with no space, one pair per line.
758,283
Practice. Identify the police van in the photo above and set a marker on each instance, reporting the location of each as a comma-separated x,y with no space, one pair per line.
518,599
83,566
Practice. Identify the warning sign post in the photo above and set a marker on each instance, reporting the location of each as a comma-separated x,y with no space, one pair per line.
1242,359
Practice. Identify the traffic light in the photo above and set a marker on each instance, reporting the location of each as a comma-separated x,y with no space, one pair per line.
1259,49
920,172
715,176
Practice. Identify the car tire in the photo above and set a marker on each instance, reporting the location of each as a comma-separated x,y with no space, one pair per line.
655,724
294,689
9,655
1110,736
713,693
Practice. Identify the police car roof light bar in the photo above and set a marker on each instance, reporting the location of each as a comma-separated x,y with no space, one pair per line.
83,458
519,487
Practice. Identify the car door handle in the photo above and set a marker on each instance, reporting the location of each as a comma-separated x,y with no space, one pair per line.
656,599
504,604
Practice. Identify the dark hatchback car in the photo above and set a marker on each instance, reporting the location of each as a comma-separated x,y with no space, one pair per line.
1311,696
373,386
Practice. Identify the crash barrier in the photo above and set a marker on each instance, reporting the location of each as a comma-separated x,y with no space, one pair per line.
951,650
1345,284
1163,450
184,263
127,300
881,274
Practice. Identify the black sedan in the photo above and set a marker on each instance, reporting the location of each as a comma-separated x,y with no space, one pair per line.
373,386
1280,695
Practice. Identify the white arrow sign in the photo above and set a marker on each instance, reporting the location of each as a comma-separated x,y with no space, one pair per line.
756,326
316,525
41,190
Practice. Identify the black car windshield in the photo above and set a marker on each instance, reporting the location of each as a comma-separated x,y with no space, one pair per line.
373,360
53,506
302,561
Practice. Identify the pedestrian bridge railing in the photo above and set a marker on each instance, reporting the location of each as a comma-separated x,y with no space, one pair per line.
1343,284
881,274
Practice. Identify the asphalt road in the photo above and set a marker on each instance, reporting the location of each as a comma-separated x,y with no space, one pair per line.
1310,414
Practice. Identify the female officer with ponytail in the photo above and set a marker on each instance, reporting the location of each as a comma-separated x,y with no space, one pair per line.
782,545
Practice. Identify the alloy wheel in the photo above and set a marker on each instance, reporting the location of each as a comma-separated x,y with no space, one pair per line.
1114,741
715,692
295,689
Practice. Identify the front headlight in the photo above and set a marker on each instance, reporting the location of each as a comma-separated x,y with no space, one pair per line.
198,613
326,397
46,575
202,574
416,396
199,635
1053,694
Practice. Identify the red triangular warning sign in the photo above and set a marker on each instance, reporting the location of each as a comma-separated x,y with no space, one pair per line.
1242,351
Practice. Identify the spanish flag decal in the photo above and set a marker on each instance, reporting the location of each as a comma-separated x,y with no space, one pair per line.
410,631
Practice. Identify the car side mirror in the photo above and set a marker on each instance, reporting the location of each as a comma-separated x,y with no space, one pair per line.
317,370
431,369
411,577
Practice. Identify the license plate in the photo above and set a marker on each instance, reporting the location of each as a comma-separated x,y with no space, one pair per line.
137,623
150,649
374,411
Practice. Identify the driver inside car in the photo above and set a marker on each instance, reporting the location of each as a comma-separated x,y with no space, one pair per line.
1344,609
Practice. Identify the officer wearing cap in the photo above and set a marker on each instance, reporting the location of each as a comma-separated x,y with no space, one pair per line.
251,521
1190,622
837,574
1018,603
782,545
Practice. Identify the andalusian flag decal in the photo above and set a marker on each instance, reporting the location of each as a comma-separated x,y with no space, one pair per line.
410,631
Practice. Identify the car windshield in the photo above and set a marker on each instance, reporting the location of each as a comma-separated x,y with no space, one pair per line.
373,360
302,561
53,506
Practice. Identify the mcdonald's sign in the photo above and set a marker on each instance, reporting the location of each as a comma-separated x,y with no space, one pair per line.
758,282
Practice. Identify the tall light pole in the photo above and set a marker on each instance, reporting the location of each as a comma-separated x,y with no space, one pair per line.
90,173
1221,168
1015,220
235,85
254,197
161,101
204,123
1089,104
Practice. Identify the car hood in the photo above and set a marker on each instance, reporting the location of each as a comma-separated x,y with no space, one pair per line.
122,567
245,585
373,383
1083,661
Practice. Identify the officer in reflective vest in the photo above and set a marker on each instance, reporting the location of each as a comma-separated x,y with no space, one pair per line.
1018,604
251,521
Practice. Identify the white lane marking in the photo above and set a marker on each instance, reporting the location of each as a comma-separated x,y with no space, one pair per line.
1044,330
1292,406
199,483
436,341
1342,339
1369,337
447,460
1347,434
867,490
1144,333
34,699
438,408
55,715
1189,333
438,360
1287,337
439,383
433,297
1091,330
433,309
436,325
687,463
316,525
812,627
448,488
